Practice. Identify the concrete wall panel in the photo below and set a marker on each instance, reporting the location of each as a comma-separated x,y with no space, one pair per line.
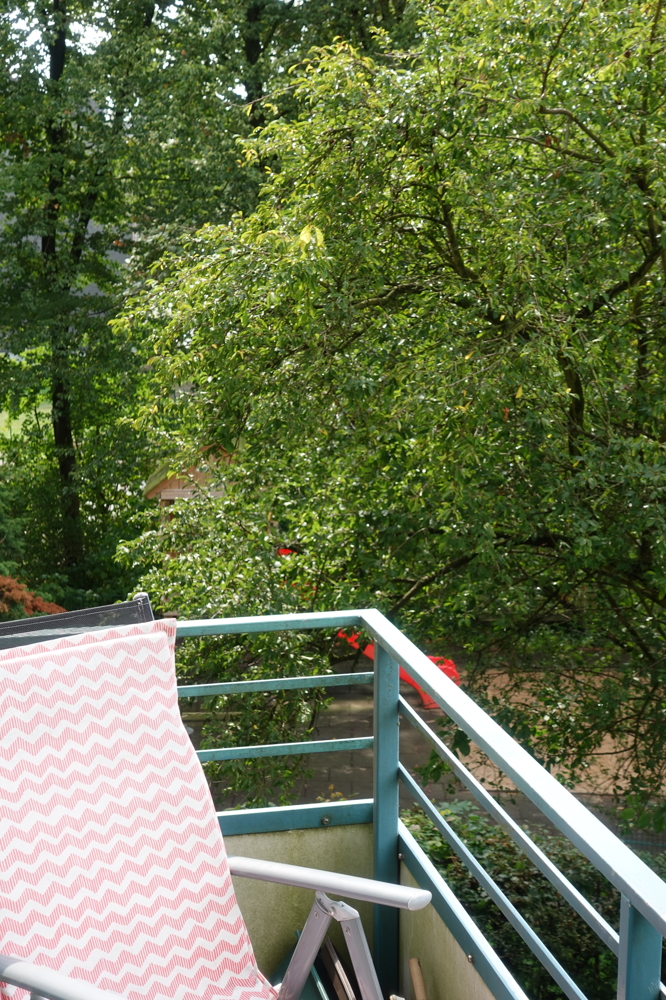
274,912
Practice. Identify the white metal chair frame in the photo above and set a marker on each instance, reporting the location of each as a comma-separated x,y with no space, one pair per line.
45,984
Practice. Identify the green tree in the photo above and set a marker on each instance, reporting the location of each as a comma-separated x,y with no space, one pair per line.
436,351
119,122
97,99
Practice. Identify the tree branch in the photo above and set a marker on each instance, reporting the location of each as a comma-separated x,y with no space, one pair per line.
387,297
554,147
611,293
553,53
431,578
459,265
628,625
581,125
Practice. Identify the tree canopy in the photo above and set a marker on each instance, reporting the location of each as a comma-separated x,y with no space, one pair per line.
118,126
435,350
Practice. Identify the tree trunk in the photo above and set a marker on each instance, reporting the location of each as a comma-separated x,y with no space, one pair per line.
61,414
253,49
63,437
576,407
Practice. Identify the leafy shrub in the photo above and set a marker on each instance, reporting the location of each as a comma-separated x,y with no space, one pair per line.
592,966
435,351
248,719
16,601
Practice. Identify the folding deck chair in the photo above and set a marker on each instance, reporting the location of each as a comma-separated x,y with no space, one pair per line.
114,880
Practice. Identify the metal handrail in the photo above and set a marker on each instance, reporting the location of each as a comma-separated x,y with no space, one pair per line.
568,891
285,749
617,862
274,684
269,623
643,894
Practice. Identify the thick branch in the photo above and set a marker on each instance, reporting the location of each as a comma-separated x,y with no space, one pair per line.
545,540
581,125
459,265
431,578
554,147
628,625
387,297
621,286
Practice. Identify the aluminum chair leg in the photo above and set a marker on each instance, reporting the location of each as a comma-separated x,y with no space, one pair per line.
361,959
306,951
323,911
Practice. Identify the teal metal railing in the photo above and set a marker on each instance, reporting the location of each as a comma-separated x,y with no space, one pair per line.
638,945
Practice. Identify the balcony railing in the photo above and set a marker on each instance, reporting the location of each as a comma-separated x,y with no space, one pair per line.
638,945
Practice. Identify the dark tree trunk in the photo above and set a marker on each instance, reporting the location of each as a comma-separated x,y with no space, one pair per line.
61,412
253,48
63,436
576,407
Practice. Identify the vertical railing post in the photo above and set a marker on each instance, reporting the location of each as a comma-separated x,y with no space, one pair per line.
639,960
387,865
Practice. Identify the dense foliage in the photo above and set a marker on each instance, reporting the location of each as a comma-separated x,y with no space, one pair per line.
16,601
118,128
436,353
265,717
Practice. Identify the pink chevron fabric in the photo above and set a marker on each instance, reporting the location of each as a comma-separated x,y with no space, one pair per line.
112,865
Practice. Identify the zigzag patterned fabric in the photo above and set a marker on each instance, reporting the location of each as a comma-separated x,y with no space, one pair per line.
112,865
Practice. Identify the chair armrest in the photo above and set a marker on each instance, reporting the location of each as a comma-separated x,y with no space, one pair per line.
384,893
45,982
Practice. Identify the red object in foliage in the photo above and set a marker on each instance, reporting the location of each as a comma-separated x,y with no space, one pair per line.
447,667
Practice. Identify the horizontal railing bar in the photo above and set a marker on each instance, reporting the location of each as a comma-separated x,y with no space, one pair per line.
268,623
285,749
313,815
515,918
471,939
568,891
274,684
623,869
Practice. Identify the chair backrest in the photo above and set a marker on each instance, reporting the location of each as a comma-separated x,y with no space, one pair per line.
112,864
25,631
